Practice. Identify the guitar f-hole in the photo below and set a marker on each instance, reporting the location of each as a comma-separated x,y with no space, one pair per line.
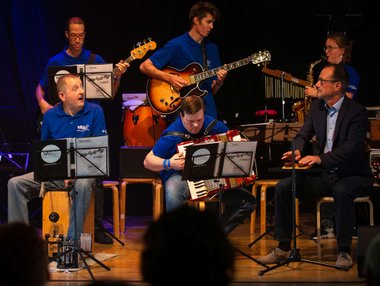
135,119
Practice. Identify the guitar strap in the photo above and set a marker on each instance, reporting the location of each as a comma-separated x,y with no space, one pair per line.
91,59
205,65
187,136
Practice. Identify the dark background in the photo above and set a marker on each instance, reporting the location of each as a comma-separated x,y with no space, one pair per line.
292,31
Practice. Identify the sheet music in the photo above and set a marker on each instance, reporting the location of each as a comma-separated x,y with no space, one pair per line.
98,81
239,159
91,156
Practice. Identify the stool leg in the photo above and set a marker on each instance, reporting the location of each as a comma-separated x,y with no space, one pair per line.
371,222
263,209
252,228
319,230
116,219
123,194
158,200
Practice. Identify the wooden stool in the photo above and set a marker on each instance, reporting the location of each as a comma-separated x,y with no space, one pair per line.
201,205
58,202
114,186
331,200
157,193
263,185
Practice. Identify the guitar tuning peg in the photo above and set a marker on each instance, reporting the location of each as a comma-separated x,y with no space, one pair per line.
138,44
149,39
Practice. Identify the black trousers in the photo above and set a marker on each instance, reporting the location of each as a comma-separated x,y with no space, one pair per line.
344,191
239,204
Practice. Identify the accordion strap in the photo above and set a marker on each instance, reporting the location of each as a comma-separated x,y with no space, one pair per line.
187,136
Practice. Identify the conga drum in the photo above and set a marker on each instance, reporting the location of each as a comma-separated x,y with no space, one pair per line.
142,126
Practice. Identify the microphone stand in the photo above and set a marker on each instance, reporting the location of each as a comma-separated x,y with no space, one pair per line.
295,255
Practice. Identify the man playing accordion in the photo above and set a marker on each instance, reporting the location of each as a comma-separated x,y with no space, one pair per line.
164,158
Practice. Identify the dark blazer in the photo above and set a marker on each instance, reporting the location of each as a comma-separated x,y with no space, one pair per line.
348,156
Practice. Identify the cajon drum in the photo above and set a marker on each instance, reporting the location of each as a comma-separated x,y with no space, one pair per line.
56,217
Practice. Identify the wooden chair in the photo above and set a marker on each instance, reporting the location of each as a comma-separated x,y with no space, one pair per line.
330,200
157,192
263,185
114,186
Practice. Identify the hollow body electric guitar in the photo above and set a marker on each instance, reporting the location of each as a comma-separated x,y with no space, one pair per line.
138,53
166,100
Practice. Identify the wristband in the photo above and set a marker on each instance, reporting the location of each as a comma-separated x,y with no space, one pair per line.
166,164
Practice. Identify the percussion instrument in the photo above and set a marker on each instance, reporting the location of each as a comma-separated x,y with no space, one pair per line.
142,126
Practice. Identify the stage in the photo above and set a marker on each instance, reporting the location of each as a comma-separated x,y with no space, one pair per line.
125,265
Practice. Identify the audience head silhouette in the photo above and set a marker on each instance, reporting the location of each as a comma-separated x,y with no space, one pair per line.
372,262
187,247
23,257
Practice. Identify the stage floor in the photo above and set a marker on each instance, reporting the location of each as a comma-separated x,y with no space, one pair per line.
125,266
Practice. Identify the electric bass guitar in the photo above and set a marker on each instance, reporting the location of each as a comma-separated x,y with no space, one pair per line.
166,100
138,53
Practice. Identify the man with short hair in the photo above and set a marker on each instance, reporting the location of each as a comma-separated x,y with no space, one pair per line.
193,123
340,126
64,120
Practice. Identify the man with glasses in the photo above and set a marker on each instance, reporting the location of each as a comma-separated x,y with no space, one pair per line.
75,54
340,125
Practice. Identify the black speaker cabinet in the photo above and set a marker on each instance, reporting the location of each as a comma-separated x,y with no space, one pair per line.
365,235
132,162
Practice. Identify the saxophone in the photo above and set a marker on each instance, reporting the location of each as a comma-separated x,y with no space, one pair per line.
302,108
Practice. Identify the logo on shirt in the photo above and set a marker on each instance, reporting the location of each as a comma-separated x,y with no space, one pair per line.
83,128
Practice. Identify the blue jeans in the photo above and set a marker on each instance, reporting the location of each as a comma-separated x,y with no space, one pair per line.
238,202
22,189
344,191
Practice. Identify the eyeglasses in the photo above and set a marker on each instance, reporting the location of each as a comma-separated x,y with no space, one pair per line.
323,81
330,48
74,36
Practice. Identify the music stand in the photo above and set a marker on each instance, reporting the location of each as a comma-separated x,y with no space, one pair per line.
72,158
97,80
218,160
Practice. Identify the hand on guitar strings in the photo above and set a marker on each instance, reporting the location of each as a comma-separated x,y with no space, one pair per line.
122,67
177,82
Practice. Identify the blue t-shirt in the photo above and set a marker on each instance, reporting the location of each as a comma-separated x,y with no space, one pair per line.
353,82
88,122
166,146
180,52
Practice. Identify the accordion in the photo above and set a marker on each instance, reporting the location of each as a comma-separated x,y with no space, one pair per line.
202,189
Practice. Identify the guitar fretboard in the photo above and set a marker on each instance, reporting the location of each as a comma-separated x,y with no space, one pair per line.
210,73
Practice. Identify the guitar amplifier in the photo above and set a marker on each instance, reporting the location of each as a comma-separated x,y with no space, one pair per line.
132,162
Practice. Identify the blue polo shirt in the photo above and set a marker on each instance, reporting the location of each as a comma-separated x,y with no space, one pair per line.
166,146
88,122
180,52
